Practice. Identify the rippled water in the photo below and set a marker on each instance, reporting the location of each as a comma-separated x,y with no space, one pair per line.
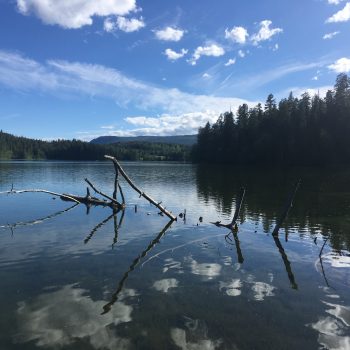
134,282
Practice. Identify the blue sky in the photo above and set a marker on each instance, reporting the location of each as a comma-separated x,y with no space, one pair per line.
85,68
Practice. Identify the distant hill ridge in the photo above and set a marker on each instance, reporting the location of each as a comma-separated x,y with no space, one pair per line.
187,140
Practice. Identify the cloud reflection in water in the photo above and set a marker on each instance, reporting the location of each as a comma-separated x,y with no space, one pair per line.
62,317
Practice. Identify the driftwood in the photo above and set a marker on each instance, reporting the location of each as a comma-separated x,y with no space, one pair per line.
108,201
233,224
62,196
112,200
118,168
288,205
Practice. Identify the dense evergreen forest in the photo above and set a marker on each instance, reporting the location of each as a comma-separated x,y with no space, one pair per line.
13,147
309,130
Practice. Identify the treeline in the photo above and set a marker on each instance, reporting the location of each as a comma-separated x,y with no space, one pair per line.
13,147
309,130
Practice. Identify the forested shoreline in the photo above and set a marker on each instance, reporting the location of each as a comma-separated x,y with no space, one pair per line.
309,130
14,147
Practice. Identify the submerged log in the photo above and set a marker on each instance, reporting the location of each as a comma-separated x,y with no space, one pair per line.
141,193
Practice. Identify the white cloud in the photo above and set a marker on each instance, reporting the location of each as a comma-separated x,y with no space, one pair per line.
230,62
237,34
109,25
74,14
261,79
173,55
341,16
130,25
206,76
315,78
211,50
265,32
334,2
330,35
341,66
180,112
169,34
241,53
298,91
166,124
124,24
275,47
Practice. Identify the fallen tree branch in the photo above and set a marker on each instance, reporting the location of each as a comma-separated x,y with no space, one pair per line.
113,200
87,200
141,193
67,197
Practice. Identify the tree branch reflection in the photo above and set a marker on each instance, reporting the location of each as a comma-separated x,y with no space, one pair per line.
237,244
104,222
38,221
136,261
286,262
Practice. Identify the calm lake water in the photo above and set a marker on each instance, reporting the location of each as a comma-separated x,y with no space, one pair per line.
69,282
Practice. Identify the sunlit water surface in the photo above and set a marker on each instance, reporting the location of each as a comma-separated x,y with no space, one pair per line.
133,282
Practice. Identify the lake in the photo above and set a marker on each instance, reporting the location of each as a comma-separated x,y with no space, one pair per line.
79,278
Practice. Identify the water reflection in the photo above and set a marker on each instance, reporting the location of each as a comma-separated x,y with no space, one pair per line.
232,288
286,262
200,288
262,290
116,226
165,284
107,307
237,244
63,317
206,270
334,331
194,337
321,206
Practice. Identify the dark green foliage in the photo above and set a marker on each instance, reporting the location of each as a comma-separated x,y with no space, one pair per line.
304,131
13,147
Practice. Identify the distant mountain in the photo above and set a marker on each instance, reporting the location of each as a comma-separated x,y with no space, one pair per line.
187,140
